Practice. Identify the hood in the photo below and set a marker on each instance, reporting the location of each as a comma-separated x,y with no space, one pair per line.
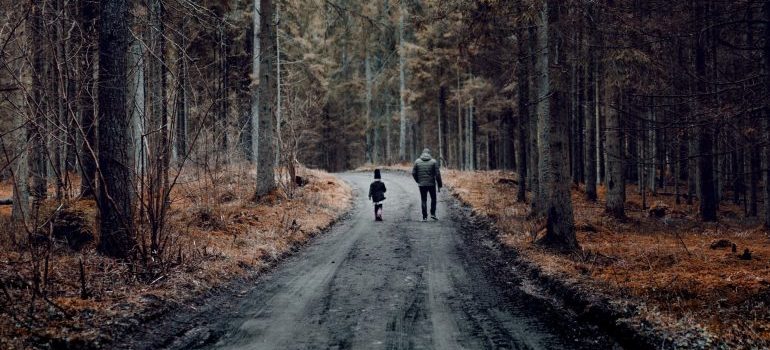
425,157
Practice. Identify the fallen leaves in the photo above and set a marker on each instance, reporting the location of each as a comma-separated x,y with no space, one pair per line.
661,258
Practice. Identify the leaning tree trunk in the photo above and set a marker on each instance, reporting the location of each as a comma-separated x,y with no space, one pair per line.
116,198
267,95
553,137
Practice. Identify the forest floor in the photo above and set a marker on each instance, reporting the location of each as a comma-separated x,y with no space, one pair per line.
216,233
674,273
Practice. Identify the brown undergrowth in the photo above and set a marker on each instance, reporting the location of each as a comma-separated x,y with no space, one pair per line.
219,234
666,266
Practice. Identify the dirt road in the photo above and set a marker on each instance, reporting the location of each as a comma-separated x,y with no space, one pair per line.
397,284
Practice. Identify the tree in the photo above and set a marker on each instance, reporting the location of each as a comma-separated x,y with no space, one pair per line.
115,163
37,126
616,185
766,109
267,95
87,159
182,100
255,76
705,138
590,113
522,125
553,131
402,83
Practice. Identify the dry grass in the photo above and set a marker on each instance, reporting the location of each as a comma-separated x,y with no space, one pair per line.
219,234
666,265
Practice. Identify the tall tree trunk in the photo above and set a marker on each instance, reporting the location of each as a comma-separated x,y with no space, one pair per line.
223,120
38,107
158,138
654,139
470,138
590,124
255,76
522,73
543,108
59,82
136,104
88,13
507,131
19,166
267,95
182,104
460,144
278,107
116,197
534,98
766,110
705,137
692,170
388,133
441,124
368,105
402,84
755,163
553,136
616,187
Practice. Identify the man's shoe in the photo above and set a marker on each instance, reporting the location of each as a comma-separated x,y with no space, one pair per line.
424,219
434,217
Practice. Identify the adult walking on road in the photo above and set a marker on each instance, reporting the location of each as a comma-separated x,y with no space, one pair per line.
427,175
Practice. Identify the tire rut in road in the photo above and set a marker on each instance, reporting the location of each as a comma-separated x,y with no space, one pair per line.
403,324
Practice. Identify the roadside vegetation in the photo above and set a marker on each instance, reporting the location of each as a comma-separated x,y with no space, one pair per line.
668,268
216,234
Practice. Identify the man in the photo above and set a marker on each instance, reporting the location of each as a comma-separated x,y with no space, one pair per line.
427,175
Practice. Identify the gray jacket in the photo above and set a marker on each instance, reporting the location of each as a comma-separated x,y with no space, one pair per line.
426,171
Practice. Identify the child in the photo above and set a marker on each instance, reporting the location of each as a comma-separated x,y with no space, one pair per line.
377,194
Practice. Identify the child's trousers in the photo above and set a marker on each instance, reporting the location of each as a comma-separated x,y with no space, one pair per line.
378,211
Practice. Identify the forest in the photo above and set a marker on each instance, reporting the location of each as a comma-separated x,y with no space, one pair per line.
131,131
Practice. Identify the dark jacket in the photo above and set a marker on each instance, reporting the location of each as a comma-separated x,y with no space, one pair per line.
426,171
377,191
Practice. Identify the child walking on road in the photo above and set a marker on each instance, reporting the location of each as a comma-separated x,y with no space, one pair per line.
377,194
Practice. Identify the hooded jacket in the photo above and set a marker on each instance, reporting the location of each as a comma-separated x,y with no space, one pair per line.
426,171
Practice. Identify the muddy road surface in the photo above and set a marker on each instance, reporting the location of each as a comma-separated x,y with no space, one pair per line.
397,284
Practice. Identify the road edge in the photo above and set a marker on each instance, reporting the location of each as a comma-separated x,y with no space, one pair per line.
591,306
112,335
